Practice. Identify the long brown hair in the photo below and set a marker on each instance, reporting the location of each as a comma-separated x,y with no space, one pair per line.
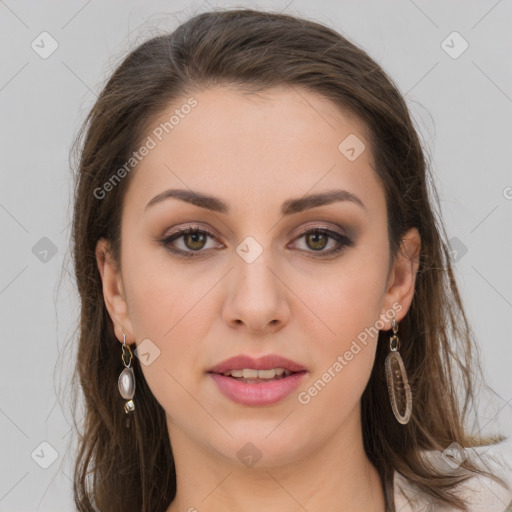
133,469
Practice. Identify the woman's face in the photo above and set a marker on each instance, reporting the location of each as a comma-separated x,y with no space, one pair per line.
274,270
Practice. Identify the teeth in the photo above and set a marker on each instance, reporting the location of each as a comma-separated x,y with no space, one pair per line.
249,373
262,374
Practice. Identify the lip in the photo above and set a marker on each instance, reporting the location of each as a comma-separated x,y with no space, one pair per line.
265,362
257,393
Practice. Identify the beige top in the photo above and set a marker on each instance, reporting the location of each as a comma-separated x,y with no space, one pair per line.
482,493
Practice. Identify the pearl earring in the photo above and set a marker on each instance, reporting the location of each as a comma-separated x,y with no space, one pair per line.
126,381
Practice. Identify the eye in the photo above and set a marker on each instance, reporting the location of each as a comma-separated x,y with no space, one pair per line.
317,240
192,240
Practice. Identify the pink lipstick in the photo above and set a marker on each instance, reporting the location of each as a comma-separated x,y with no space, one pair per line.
257,382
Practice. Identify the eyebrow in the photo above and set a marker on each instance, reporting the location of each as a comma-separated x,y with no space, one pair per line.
289,207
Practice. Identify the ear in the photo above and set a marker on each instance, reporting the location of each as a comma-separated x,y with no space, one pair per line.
113,291
402,277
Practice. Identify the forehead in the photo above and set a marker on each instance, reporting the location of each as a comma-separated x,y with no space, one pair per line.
280,142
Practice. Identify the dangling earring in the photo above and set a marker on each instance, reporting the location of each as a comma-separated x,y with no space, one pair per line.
398,385
126,381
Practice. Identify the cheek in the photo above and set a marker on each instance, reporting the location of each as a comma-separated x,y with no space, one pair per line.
345,353
162,294
173,305
348,303
347,298
173,311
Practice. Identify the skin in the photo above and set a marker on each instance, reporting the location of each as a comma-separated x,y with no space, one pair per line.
254,152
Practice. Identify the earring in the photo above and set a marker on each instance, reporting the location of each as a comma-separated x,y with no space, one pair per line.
396,376
126,381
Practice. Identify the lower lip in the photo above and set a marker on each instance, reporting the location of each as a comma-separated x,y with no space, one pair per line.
257,393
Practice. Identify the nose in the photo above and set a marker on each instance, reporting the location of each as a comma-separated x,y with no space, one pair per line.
257,298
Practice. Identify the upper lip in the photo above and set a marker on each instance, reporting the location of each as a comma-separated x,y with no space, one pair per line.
266,362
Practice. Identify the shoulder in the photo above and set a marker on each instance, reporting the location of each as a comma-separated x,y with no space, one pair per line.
482,494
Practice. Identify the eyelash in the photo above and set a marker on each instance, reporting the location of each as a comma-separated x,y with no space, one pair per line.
342,240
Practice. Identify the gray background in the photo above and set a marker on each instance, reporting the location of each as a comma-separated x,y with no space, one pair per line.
462,107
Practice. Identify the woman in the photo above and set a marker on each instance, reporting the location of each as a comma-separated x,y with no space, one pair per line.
269,318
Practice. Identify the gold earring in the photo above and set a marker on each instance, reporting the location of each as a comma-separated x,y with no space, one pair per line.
398,386
126,381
